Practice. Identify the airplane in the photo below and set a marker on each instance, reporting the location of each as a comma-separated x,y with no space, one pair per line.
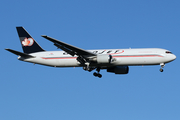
113,60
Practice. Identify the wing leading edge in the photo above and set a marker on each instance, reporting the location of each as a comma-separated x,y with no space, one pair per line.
72,50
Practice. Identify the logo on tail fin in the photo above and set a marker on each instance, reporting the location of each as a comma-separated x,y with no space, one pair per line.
28,42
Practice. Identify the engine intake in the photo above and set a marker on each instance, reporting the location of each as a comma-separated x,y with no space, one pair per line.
119,69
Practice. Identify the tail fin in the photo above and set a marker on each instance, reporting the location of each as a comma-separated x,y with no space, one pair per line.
29,45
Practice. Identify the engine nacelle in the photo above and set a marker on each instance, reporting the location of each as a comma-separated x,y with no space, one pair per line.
119,69
103,59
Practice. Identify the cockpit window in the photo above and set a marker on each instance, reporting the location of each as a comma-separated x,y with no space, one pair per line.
168,52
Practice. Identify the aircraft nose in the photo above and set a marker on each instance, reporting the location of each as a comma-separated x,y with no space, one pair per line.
173,57
170,57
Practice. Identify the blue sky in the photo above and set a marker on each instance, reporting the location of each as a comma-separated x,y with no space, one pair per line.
38,92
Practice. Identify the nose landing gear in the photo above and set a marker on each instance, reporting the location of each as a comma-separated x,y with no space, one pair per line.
161,70
162,66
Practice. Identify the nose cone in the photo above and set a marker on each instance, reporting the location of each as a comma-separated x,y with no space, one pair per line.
173,57
170,58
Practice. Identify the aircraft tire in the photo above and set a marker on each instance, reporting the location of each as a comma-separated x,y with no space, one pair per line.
95,74
99,75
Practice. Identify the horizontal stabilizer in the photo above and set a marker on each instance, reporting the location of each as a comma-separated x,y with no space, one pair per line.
20,53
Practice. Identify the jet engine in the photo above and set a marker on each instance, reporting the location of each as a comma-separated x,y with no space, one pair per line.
103,59
119,69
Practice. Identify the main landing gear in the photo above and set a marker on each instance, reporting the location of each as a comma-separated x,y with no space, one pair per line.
88,68
162,66
97,74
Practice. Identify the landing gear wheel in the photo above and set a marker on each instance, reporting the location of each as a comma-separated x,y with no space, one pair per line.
161,70
97,75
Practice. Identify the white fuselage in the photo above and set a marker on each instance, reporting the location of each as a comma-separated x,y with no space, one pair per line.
129,57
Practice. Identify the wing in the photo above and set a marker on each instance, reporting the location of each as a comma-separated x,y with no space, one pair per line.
72,50
83,55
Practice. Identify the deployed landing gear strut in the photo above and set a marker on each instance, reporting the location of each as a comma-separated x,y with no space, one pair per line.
88,68
162,66
97,74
